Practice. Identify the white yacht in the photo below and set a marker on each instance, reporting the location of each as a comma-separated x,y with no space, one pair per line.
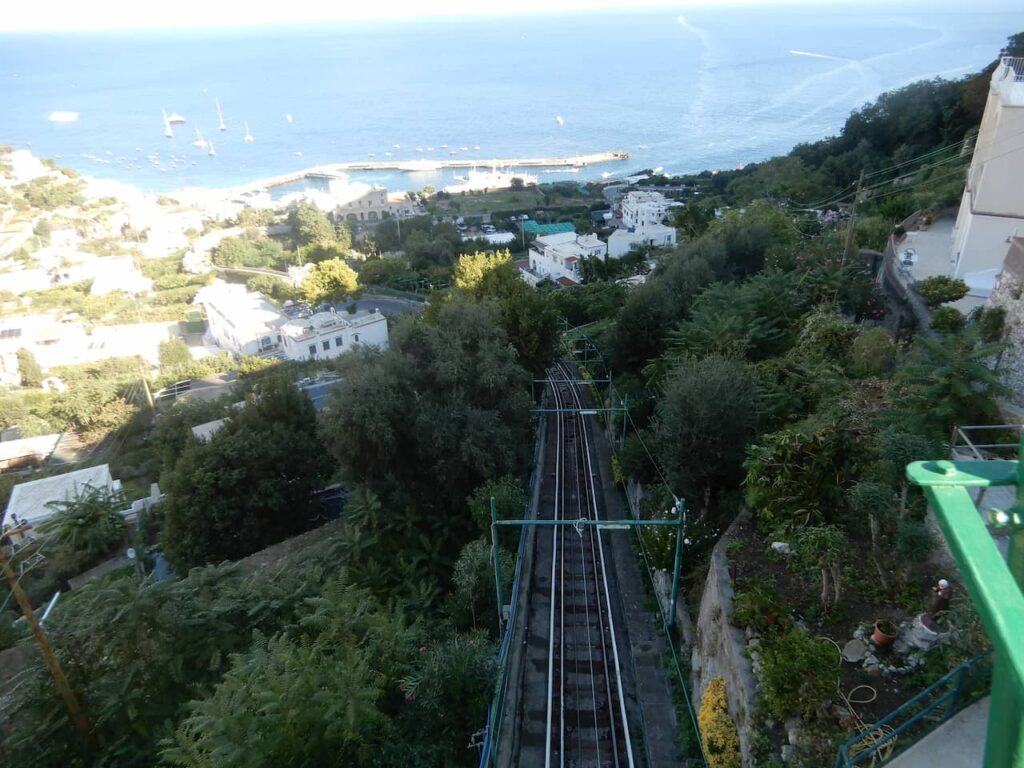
200,142
248,136
220,115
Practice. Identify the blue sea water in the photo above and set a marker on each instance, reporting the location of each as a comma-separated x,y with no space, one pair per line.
710,89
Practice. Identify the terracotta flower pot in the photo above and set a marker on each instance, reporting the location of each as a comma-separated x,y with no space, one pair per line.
884,634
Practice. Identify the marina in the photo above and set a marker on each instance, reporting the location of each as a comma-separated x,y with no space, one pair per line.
335,169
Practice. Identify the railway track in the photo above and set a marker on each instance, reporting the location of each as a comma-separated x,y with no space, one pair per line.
586,719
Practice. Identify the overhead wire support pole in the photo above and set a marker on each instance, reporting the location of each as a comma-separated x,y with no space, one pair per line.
853,223
52,663
496,553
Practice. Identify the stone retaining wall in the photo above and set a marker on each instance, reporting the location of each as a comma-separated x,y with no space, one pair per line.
720,648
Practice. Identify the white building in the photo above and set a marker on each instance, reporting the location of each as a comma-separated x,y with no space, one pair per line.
643,209
246,323
558,256
329,334
118,273
28,501
239,321
622,241
992,208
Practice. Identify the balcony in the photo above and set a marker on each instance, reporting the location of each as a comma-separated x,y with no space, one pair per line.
1008,81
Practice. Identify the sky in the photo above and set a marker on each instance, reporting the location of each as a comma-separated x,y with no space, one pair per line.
52,15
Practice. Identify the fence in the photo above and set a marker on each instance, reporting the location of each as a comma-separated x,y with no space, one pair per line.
496,710
881,742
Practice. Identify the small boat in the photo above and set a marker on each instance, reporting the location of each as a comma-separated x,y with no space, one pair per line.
63,117
212,152
175,118
167,127
200,142
397,146
477,146
444,146
372,155
464,149
288,118
220,115
248,136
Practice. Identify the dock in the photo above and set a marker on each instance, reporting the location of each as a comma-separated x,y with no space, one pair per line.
334,170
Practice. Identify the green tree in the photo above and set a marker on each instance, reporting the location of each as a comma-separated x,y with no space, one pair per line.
236,252
330,280
948,381
311,225
251,485
704,419
472,268
427,422
28,367
173,353
90,523
822,548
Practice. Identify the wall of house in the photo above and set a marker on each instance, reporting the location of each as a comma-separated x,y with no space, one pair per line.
982,241
337,339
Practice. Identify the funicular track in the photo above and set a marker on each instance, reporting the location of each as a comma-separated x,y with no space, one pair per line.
586,723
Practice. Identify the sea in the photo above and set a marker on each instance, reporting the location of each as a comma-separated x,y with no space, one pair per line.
698,88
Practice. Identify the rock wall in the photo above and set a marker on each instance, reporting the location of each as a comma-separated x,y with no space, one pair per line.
720,648
1009,294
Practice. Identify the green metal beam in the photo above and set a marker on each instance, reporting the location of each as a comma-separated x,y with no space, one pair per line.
995,585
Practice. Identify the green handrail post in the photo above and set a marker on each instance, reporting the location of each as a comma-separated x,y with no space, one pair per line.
496,553
681,512
996,586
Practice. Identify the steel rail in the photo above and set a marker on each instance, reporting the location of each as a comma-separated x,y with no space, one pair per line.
607,594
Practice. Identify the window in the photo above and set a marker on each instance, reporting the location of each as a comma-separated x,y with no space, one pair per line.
340,341
327,345
312,350
356,338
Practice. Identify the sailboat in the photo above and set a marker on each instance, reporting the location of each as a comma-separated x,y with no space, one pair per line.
200,142
248,136
167,126
212,152
220,115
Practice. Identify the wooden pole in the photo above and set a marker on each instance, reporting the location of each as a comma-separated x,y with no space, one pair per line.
70,700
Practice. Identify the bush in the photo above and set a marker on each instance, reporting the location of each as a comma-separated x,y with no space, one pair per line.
717,730
759,605
799,674
939,289
991,320
947,320
873,352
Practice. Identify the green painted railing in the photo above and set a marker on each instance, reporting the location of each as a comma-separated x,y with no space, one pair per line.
995,584
885,740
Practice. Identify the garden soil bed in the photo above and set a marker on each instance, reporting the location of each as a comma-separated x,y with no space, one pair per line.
751,557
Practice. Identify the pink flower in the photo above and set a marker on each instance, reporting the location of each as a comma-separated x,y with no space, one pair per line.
409,697
423,649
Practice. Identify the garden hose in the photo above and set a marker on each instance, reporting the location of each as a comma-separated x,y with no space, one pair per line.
871,734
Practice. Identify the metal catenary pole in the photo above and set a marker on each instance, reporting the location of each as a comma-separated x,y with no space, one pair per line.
496,554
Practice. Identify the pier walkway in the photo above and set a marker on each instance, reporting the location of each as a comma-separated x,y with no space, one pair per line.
422,165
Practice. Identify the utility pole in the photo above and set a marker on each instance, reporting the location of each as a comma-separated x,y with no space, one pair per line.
853,221
70,700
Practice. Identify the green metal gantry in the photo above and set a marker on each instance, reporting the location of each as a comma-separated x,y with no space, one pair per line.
995,585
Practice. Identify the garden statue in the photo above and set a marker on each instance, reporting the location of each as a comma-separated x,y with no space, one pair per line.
942,593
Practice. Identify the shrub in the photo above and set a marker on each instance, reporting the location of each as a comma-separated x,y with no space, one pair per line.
758,604
947,320
939,289
717,730
873,352
799,674
991,320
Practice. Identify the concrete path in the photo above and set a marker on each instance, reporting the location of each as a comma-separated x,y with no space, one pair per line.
957,743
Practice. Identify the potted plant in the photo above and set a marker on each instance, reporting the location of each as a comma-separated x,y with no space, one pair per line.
899,232
884,634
